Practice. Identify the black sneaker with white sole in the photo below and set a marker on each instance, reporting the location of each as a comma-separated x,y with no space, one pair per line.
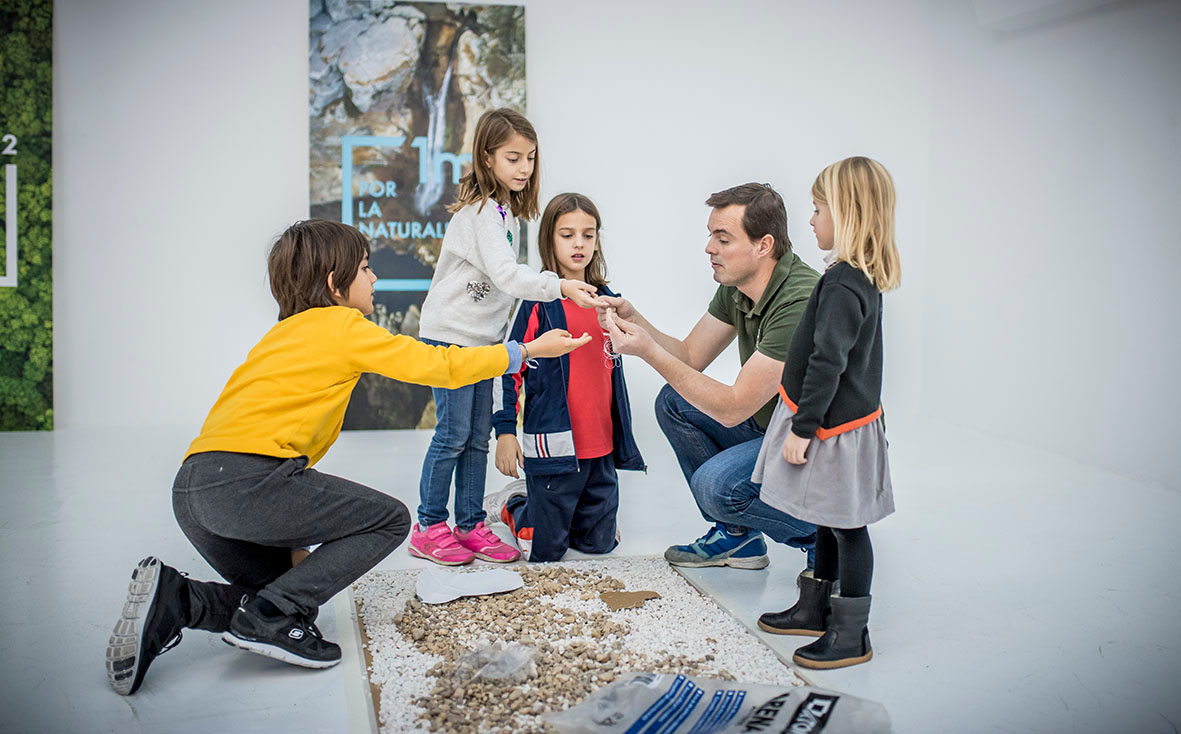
153,617
291,638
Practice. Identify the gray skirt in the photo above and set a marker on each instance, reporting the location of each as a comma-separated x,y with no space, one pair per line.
845,482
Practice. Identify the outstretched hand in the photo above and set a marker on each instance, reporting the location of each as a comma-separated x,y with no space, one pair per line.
555,343
584,295
628,338
621,306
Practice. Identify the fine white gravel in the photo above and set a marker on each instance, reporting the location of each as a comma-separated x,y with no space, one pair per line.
580,644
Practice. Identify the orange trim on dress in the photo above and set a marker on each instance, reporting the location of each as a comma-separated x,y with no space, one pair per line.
823,433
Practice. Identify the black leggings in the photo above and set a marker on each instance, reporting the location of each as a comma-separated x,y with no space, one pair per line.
847,555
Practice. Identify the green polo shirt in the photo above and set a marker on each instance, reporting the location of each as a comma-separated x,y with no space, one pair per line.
767,326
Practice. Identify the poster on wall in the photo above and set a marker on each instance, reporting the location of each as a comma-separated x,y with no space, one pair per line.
395,92
26,272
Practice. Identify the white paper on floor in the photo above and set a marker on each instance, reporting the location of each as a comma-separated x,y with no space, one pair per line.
438,586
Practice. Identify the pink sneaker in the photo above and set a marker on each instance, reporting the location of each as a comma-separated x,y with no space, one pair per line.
484,543
439,545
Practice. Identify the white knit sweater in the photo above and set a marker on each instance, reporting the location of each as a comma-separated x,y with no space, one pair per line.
478,278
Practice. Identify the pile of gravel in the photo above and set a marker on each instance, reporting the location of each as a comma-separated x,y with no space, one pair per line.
417,651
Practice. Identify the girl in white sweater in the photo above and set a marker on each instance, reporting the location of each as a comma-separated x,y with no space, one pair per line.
477,279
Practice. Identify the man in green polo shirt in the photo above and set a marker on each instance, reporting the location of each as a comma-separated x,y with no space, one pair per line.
715,429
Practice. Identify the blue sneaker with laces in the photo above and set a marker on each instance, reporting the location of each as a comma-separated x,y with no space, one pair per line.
719,548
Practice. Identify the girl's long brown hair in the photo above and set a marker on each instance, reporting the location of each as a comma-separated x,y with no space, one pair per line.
479,184
596,267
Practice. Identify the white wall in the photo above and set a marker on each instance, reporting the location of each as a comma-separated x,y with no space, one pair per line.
180,150
650,107
1054,247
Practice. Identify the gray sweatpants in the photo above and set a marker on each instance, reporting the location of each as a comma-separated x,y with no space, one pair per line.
244,513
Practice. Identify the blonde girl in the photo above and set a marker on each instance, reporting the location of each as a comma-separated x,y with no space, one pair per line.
824,458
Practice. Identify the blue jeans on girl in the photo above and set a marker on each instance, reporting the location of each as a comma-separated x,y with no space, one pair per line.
459,448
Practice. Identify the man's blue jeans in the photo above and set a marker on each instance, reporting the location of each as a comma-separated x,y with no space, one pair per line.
717,462
460,448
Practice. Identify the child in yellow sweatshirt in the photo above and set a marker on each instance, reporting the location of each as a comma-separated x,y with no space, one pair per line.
246,492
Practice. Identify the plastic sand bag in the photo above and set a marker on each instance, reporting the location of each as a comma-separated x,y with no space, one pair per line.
511,662
645,703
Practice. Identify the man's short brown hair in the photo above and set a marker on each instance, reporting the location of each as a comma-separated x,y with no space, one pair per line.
304,255
765,213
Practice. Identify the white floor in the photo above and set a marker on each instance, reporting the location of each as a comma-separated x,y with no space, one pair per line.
1015,591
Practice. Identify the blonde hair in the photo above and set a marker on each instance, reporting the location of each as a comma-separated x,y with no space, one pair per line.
493,130
596,267
860,194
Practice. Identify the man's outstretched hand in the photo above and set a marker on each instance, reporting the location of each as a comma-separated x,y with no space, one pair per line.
628,338
621,306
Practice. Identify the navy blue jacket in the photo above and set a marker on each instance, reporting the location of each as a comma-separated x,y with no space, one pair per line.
548,441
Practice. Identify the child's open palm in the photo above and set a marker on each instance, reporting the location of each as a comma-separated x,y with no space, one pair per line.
555,343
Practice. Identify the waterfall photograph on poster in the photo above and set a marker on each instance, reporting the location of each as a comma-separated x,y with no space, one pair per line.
395,90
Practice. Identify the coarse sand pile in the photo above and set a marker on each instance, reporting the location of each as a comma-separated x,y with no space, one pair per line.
420,655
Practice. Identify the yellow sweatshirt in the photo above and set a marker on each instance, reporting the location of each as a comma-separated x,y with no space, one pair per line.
288,398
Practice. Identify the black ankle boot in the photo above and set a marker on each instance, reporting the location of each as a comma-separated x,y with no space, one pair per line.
845,642
808,617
